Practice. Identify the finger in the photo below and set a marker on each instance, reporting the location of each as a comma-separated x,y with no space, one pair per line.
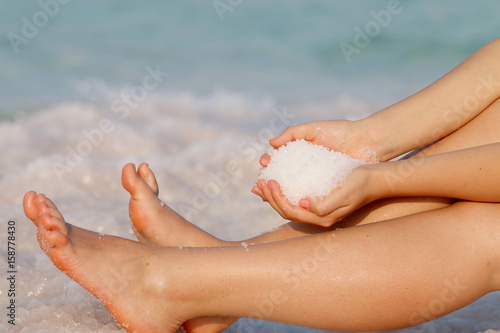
268,195
320,207
290,134
264,160
305,203
291,212
302,216
256,190
338,215
307,131
298,214
270,199
274,196
279,198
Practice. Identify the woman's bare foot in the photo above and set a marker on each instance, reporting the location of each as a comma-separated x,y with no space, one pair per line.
157,224
134,293
154,222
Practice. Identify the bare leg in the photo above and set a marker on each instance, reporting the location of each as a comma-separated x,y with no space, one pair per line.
169,229
160,225
157,224
380,276
146,211
117,278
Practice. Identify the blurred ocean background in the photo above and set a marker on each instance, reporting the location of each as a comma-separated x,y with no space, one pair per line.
195,88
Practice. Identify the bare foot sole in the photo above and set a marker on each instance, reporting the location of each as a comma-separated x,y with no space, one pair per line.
119,278
154,222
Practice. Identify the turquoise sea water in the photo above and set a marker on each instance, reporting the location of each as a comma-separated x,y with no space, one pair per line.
189,87
289,50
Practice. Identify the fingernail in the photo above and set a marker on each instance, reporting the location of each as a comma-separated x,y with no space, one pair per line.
304,203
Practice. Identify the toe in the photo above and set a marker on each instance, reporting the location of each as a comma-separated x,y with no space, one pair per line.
49,202
55,239
48,207
53,223
129,178
30,208
134,184
149,178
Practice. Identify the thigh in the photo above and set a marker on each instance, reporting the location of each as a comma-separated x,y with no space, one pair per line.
483,129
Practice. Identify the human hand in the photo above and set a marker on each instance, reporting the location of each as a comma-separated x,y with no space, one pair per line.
349,137
357,190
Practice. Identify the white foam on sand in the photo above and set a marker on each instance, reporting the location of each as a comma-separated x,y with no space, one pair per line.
305,170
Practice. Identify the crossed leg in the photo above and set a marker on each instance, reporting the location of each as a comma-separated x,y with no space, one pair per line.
157,224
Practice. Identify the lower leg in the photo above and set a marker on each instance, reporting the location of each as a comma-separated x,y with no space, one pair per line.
154,222
380,276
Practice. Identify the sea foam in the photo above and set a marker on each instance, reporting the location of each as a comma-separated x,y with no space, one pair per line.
305,170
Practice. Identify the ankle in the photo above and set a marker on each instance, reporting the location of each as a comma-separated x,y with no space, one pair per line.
173,275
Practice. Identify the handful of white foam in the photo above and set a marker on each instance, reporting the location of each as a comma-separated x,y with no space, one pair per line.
303,169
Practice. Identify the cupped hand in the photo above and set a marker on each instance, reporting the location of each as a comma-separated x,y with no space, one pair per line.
349,137
356,190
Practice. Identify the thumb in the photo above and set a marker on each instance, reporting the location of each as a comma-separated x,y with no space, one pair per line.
292,133
304,203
